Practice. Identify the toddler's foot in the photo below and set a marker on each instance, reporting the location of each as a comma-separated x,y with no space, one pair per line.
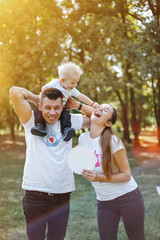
39,130
68,134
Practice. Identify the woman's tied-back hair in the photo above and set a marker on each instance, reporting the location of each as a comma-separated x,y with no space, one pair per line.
105,142
52,94
68,70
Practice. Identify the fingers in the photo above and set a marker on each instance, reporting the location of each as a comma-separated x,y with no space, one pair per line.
90,175
96,105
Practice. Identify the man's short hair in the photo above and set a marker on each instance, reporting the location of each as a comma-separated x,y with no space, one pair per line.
52,94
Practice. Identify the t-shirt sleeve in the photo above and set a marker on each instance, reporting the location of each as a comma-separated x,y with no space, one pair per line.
30,123
116,144
75,92
76,121
80,140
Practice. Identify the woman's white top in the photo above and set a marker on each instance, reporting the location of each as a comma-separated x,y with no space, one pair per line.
106,191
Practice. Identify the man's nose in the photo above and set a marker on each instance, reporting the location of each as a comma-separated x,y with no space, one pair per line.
52,111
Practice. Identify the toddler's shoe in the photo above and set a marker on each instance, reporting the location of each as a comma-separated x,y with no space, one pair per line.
68,134
39,130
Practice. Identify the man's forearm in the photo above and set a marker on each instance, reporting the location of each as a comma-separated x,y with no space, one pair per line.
23,93
20,98
73,104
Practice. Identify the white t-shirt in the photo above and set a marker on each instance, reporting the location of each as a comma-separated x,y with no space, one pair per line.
55,83
106,191
46,166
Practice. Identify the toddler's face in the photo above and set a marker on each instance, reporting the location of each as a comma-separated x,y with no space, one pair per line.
71,83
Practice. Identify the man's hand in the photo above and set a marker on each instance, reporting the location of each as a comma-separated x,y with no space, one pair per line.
72,104
20,98
35,100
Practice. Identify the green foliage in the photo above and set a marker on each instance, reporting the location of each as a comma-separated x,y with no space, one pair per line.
116,45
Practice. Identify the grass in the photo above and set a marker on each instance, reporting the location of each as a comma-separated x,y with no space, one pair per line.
82,222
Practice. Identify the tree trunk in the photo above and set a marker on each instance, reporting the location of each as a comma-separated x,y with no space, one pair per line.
125,124
124,118
157,107
158,112
134,122
12,123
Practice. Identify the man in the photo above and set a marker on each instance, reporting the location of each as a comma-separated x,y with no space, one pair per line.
47,179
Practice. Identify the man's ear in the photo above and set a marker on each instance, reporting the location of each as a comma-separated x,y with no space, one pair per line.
62,80
39,107
108,124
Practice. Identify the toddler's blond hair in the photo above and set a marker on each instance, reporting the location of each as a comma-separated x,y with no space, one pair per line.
68,70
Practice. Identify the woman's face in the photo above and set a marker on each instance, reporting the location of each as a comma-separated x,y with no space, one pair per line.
102,114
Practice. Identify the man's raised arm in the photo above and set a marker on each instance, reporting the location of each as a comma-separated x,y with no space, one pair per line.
20,98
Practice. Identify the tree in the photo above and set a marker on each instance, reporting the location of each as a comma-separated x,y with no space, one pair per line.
30,45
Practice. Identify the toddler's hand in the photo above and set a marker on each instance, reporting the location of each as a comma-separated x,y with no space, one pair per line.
95,105
44,88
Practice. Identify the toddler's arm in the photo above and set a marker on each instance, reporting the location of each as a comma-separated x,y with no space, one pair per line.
83,98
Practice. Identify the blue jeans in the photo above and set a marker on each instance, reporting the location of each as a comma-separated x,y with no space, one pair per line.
130,207
42,210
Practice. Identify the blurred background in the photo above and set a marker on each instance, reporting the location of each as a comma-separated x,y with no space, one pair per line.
117,44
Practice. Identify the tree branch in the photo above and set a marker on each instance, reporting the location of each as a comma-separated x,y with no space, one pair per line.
151,7
135,16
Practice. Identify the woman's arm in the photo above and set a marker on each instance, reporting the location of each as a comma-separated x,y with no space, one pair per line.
123,175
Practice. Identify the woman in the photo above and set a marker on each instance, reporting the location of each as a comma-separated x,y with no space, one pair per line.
117,192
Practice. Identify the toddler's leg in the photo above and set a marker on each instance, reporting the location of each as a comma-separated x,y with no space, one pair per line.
40,126
66,129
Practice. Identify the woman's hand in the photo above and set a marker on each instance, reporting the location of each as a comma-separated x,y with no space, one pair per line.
93,176
89,175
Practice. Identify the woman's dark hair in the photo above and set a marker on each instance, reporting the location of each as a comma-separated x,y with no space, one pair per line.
51,93
105,142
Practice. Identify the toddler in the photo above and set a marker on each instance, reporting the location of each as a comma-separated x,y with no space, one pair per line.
69,74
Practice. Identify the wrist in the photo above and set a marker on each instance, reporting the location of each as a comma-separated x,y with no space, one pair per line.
80,106
102,179
99,178
92,104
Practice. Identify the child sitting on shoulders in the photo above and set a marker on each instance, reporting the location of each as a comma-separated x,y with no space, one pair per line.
69,76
